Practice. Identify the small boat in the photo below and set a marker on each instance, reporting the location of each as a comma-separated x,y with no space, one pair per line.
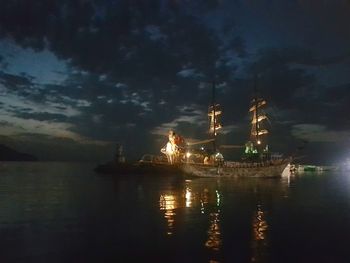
313,168
148,165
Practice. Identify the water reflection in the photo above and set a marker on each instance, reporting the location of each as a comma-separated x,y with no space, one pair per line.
204,199
171,200
188,197
214,234
168,203
259,240
259,224
201,202
207,220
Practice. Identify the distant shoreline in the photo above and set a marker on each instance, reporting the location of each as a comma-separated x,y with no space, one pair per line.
8,154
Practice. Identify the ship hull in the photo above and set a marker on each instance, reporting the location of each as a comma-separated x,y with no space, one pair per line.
272,170
229,169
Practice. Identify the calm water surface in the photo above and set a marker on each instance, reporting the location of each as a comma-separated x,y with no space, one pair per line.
58,212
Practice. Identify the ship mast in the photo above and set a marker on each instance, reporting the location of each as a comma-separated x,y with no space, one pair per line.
258,116
214,117
213,113
256,111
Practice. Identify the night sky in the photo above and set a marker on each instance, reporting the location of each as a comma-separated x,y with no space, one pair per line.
76,77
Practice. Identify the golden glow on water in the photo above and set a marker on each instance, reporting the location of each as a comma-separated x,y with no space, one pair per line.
207,201
198,204
214,234
168,203
259,225
259,240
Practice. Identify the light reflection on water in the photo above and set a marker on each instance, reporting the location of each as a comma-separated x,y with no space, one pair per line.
259,240
168,204
214,234
60,213
259,224
188,197
204,198
195,197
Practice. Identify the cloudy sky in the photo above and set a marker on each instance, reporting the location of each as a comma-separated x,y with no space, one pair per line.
76,77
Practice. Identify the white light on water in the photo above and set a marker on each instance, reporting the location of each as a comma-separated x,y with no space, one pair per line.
217,198
188,197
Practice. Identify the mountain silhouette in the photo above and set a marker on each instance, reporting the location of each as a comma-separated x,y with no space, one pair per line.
8,154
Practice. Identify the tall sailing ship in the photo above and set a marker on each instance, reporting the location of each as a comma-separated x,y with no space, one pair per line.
257,160
179,157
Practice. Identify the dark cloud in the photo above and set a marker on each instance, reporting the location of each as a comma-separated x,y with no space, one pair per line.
15,82
136,67
42,116
3,64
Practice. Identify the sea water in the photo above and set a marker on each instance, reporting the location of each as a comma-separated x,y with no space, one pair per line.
64,212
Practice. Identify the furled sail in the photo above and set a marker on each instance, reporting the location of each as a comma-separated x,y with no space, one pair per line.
259,118
260,132
214,118
257,105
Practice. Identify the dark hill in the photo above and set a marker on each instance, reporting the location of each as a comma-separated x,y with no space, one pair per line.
8,154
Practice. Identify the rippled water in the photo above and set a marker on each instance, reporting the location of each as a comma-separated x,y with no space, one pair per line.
57,212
